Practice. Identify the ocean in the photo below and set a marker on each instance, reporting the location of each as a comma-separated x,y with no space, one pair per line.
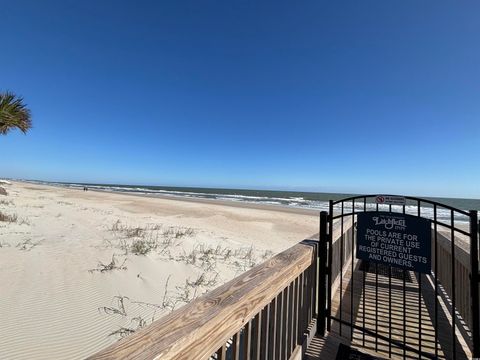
304,200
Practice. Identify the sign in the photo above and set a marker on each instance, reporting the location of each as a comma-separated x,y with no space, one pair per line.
390,200
395,239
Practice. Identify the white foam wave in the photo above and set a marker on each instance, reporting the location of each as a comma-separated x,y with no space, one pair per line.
442,214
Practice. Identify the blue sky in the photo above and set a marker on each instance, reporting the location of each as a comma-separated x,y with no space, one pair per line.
345,96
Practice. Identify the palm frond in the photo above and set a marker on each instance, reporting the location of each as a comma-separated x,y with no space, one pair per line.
13,113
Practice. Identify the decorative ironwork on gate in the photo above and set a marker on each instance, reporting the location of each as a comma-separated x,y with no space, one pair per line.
394,310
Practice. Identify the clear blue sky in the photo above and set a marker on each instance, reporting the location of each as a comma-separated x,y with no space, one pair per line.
351,96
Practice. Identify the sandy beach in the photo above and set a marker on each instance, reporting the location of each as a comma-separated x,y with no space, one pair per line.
79,270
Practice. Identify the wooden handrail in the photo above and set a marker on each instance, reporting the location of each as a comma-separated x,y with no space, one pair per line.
199,328
462,271
347,253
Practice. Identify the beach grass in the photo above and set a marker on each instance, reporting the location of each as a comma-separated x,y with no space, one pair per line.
8,218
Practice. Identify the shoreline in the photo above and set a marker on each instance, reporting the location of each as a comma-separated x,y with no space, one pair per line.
244,204
228,203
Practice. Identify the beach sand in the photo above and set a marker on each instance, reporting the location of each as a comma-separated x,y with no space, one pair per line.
57,303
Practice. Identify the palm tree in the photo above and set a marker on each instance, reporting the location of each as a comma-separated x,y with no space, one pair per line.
13,113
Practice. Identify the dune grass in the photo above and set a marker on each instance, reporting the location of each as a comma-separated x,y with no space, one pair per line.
8,218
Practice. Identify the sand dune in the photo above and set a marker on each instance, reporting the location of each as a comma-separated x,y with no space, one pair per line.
55,301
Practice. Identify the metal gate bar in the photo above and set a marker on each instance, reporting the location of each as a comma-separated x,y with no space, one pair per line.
329,280
352,261
390,304
363,286
436,277
419,209
474,281
454,290
404,307
340,294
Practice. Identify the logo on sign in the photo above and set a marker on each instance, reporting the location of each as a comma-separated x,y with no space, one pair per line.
389,222
380,199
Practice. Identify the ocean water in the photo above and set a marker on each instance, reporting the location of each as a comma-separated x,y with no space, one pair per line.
306,200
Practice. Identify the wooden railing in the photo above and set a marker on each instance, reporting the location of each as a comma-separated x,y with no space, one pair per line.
264,313
462,272
341,250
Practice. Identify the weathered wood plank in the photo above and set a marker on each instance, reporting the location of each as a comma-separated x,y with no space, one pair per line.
272,329
247,340
279,327
201,327
290,329
264,332
236,346
257,336
222,353
295,314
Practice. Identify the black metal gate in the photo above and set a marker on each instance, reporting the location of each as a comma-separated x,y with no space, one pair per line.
398,312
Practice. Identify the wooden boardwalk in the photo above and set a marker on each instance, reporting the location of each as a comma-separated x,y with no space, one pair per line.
377,295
